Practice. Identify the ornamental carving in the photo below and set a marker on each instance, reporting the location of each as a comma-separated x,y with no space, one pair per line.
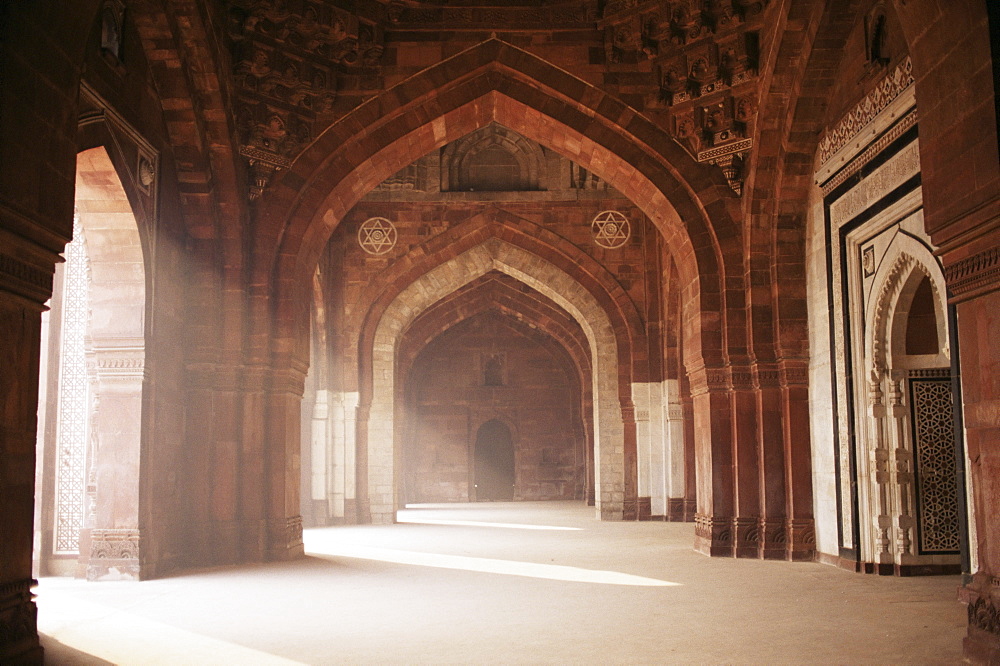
705,63
980,272
377,236
610,229
985,616
297,66
898,80
114,544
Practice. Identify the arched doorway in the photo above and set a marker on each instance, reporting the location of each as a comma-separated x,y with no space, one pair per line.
494,463
91,388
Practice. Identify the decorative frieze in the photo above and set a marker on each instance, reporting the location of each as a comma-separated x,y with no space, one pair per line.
568,15
114,554
897,170
891,87
974,275
908,121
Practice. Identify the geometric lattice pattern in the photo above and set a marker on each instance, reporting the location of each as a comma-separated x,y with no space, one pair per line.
610,229
377,236
71,442
937,488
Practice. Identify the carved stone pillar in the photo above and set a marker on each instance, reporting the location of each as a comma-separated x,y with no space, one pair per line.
110,547
713,430
772,531
284,401
25,283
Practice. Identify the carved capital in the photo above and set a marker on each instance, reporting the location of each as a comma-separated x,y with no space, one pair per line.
975,275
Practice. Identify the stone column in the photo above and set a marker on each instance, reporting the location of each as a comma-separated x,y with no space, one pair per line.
714,446
284,402
113,541
674,450
20,323
25,284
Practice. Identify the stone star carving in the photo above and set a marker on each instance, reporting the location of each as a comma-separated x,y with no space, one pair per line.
377,236
610,229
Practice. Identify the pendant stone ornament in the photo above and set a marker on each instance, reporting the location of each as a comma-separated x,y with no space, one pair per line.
610,229
377,235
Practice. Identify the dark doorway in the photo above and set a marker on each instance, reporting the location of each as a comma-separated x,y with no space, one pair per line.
494,463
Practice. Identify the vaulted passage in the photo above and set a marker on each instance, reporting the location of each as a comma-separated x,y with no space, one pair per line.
273,266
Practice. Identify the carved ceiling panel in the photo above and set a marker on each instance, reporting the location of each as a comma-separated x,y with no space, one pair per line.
298,66
705,58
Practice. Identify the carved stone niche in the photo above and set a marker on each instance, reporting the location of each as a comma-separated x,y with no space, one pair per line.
703,70
112,29
492,159
686,22
674,81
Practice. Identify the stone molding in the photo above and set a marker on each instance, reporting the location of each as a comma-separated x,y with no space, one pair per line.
749,377
855,121
897,170
897,130
788,539
974,276
25,280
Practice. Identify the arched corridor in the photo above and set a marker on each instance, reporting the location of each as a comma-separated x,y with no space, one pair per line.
723,274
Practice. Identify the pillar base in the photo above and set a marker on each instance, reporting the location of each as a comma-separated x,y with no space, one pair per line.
285,539
713,535
113,554
981,644
755,538
18,624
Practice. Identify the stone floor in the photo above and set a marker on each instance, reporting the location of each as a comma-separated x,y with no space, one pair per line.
505,583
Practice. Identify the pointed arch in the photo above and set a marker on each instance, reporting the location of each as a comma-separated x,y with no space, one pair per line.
690,204
377,425
909,262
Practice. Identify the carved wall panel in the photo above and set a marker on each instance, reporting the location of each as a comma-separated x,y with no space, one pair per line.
934,447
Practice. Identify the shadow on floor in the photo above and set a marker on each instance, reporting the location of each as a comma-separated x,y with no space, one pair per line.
64,655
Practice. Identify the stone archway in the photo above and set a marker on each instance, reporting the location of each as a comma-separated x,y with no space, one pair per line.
92,388
379,430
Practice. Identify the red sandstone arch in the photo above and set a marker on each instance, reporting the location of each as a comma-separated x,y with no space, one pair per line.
538,317
535,239
496,82
495,292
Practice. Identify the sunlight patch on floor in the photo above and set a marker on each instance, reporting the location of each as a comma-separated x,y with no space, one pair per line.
326,545
123,638
480,523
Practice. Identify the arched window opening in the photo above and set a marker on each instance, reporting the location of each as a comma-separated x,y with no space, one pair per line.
921,322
